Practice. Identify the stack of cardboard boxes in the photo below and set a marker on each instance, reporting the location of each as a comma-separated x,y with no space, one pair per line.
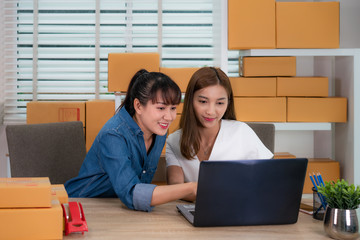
93,114
30,208
268,89
267,24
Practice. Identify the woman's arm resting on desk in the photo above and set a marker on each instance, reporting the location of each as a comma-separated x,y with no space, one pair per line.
175,175
168,193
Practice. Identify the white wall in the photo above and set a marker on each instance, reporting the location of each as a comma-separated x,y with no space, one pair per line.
349,24
299,143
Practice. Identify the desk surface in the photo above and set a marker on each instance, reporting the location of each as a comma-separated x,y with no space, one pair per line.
110,219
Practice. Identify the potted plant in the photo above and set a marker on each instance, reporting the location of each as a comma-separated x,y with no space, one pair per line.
340,220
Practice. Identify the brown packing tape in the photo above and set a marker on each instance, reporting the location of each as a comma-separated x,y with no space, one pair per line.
69,114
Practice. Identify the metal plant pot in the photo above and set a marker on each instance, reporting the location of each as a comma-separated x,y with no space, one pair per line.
341,223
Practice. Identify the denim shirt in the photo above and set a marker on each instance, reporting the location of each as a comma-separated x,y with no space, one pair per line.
117,165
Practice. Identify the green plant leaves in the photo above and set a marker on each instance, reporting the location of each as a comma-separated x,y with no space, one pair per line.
340,194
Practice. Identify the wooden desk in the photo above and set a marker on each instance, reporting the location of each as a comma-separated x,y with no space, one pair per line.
110,219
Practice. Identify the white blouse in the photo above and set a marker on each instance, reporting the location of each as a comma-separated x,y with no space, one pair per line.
235,141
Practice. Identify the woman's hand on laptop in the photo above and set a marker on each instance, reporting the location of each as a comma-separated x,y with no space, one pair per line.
168,193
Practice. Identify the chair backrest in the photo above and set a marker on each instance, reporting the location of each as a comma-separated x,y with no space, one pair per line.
54,150
266,133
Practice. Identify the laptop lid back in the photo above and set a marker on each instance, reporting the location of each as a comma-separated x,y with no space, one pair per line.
249,192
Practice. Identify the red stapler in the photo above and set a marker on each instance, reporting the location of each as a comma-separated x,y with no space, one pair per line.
74,218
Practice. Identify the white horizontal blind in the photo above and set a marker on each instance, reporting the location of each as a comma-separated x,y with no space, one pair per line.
2,60
187,33
60,47
126,26
12,107
233,63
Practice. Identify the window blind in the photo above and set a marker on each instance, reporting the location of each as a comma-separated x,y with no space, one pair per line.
187,37
233,63
8,75
57,50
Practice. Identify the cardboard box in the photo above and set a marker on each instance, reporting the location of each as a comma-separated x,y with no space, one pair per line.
59,111
59,191
123,66
179,108
303,86
251,24
175,124
260,109
32,223
331,109
268,66
25,192
307,24
163,151
329,169
252,87
282,155
180,75
98,112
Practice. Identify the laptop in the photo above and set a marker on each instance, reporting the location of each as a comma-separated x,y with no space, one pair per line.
247,192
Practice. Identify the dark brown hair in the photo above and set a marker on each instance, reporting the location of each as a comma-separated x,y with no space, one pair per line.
202,78
145,85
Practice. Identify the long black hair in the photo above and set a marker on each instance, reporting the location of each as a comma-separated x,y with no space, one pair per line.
145,86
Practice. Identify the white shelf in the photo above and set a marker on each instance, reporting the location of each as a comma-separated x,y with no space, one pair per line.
302,126
346,71
301,52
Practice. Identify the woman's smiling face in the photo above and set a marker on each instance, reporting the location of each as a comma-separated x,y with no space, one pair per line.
210,104
155,118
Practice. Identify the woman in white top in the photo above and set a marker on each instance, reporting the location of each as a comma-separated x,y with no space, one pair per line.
208,129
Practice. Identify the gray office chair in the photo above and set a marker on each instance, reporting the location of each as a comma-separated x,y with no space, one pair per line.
266,133
54,150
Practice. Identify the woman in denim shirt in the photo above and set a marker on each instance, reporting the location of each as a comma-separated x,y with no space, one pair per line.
124,156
